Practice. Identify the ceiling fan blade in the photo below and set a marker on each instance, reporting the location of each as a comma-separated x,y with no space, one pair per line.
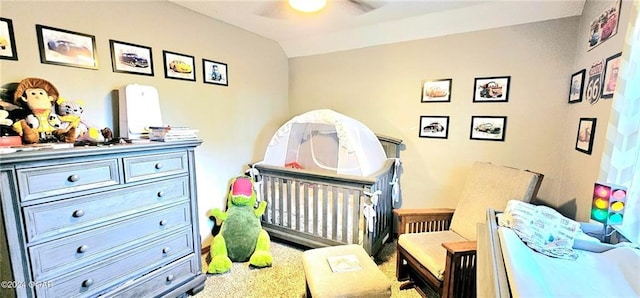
363,5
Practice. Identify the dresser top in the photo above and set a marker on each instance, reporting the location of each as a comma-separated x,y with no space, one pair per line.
78,151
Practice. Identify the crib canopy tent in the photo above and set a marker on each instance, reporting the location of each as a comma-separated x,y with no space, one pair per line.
326,141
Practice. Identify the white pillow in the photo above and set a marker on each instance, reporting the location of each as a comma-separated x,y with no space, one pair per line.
541,228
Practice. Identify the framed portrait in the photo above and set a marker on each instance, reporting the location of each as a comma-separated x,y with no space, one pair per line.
611,67
215,72
131,58
491,89
67,48
586,133
7,40
577,86
488,128
179,66
604,26
434,127
436,90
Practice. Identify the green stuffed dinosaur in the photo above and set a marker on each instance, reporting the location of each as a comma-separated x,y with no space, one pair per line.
241,236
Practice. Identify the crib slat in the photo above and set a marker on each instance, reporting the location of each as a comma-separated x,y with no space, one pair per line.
325,205
346,202
316,205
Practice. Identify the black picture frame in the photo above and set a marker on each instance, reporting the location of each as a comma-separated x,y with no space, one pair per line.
610,76
436,127
586,134
222,75
491,89
577,86
436,90
131,58
488,128
66,48
179,66
8,47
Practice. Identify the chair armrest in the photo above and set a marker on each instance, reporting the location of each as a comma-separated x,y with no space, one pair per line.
423,220
460,247
460,269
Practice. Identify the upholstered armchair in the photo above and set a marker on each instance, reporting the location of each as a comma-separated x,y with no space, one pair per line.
437,247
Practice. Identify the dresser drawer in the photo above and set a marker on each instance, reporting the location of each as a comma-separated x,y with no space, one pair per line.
157,282
59,218
94,279
61,179
152,166
72,252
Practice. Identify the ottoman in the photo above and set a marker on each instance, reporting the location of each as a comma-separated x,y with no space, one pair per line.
354,274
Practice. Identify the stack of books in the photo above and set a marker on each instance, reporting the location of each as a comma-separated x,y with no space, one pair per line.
172,133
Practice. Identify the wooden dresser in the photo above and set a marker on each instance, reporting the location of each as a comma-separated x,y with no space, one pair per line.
119,221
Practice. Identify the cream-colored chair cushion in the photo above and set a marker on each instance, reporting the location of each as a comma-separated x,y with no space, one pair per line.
427,249
489,186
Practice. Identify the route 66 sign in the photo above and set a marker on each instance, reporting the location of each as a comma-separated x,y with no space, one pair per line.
594,84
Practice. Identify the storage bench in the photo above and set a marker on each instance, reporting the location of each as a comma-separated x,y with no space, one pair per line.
363,280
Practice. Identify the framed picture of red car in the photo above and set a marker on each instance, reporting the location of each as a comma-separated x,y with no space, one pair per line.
179,66
488,128
215,72
131,58
7,40
491,89
434,127
66,48
586,133
611,67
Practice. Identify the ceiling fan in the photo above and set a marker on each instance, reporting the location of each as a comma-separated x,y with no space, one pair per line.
283,9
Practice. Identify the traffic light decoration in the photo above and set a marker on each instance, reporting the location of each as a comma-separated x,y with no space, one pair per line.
608,203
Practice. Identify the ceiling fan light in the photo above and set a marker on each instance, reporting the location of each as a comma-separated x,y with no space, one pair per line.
307,5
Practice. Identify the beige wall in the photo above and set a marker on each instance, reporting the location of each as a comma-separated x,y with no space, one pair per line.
381,87
580,171
235,122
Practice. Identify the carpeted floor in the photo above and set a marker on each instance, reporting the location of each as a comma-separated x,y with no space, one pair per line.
286,277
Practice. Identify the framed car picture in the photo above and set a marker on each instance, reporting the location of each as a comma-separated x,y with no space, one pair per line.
179,66
491,89
131,58
7,40
436,90
604,26
67,48
586,132
611,67
215,72
577,86
434,127
488,128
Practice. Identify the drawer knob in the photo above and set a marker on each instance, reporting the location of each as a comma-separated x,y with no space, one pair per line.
158,166
166,250
73,178
87,282
170,277
83,248
160,194
163,222
78,213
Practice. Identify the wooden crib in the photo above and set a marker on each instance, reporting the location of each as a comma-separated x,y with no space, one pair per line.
318,209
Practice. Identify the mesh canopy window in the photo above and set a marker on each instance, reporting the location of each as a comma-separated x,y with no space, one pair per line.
326,141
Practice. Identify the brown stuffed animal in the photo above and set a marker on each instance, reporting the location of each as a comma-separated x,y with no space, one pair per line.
39,95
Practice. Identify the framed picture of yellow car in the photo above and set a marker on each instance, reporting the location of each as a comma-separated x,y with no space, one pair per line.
179,66
7,40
